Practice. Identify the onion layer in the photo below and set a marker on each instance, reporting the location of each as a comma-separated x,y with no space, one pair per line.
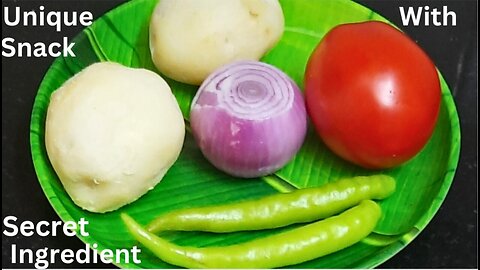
248,118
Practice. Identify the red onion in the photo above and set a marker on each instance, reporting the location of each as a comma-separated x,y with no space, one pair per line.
248,118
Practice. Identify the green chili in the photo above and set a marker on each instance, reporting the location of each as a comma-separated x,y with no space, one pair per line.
290,247
299,206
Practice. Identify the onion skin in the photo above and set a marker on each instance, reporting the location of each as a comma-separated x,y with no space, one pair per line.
249,119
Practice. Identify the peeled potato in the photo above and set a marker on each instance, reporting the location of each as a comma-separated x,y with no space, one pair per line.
189,39
111,134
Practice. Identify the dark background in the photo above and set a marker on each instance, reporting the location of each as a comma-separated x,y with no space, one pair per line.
449,241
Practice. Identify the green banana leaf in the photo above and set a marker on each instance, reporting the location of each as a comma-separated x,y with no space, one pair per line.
122,36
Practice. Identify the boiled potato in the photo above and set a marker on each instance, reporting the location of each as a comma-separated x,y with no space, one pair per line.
111,134
191,38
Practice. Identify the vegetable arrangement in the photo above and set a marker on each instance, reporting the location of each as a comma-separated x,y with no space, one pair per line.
249,120
294,246
287,248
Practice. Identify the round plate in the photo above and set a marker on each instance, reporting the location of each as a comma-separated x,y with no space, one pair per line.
122,36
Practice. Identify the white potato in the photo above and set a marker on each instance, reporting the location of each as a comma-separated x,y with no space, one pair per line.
189,39
112,133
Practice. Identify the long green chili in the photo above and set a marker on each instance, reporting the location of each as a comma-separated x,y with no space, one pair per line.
299,206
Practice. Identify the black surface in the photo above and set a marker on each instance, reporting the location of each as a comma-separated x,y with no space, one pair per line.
449,241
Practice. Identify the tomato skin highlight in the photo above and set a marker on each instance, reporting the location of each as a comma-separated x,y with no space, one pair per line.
373,95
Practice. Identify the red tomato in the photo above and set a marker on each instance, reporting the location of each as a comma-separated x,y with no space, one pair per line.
372,93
